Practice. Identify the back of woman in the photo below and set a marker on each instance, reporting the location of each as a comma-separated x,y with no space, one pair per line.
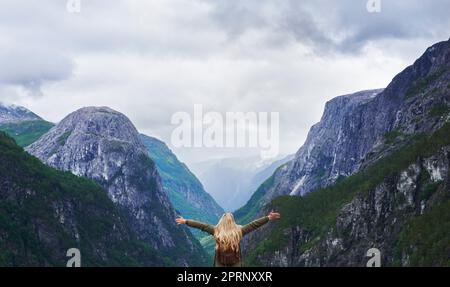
228,236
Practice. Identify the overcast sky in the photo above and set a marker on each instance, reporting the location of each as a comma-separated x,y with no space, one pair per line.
149,59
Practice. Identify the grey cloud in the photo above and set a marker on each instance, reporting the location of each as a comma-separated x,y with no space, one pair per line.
397,20
238,16
166,28
334,26
31,68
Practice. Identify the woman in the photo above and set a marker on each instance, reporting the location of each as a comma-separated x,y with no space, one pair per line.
228,235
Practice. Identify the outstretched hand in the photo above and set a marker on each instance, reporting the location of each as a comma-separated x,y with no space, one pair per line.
180,220
274,216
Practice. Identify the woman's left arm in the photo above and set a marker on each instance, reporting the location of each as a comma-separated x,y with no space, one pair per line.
200,225
196,224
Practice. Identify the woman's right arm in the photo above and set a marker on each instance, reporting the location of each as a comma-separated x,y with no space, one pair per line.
252,226
197,224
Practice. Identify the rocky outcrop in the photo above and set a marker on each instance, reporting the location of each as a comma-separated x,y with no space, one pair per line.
102,144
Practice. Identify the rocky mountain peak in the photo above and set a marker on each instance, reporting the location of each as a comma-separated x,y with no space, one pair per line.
81,142
102,144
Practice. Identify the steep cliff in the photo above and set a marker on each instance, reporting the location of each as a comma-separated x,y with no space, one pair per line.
103,145
353,126
333,148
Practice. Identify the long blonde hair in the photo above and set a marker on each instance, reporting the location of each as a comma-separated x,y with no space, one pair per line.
227,233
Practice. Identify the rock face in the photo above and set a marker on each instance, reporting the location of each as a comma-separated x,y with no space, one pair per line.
372,220
13,113
185,191
334,147
102,144
355,133
353,126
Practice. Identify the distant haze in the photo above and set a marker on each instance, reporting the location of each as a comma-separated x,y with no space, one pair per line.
232,181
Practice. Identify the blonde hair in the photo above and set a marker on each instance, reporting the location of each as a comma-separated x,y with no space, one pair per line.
227,233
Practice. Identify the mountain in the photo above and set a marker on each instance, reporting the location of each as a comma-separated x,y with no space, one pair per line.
102,144
373,173
21,124
185,191
13,113
231,181
44,212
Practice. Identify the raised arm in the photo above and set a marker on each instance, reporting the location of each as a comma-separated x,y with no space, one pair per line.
196,224
252,226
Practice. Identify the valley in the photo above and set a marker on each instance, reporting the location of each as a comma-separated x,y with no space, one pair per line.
374,172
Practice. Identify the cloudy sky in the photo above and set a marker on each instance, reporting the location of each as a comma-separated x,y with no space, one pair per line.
150,59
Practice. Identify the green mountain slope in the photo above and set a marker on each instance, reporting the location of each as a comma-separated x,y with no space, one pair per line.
185,191
44,212
26,132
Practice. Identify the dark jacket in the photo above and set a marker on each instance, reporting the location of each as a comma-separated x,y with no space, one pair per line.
244,229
